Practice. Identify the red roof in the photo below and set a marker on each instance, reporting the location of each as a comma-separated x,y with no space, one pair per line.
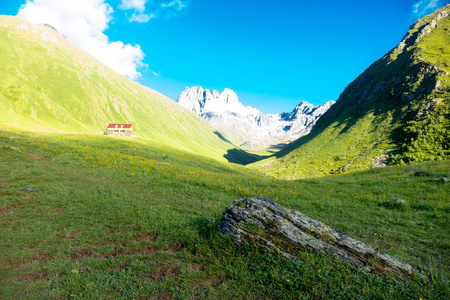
120,126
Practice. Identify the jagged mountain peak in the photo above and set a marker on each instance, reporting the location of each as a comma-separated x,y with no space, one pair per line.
247,126
306,108
201,101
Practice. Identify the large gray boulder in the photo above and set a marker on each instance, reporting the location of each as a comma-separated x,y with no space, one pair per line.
281,230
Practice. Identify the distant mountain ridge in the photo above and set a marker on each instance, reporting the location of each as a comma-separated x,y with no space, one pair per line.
246,126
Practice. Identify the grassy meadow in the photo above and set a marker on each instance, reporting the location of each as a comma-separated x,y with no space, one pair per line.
86,216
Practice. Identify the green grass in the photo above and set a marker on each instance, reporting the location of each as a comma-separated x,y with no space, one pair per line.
47,83
117,218
340,147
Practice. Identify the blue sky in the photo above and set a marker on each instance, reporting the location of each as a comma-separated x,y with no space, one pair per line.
273,54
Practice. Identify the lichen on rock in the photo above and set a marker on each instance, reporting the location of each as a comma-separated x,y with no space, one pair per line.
271,227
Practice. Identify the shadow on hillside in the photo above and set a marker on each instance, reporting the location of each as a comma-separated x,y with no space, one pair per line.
222,137
277,147
241,157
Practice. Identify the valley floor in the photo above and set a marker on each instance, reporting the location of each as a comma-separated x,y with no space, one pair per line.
85,216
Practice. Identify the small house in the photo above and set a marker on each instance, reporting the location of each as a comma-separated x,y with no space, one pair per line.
120,130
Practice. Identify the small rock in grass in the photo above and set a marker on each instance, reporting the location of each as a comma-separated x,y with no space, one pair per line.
398,201
30,189
443,179
14,148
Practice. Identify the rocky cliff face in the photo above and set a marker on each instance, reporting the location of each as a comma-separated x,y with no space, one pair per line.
247,126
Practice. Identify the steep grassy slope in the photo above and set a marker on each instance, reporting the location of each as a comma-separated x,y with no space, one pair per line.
396,111
47,83
86,217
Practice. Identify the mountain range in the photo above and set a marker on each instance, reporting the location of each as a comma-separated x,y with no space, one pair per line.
246,126
395,112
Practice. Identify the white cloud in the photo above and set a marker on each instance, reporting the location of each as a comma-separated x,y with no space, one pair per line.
138,5
141,18
176,4
424,7
83,22
160,7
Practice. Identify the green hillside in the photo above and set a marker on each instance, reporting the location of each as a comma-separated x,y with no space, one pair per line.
397,111
47,83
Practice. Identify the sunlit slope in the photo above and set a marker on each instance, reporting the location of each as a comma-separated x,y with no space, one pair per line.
396,112
47,83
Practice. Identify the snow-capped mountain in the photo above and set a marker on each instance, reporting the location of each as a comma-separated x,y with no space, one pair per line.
247,126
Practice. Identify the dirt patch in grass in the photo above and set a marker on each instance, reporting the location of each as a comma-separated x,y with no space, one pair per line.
39,256
88,252
149,237
70,236
35,245
205,282
5,211
208,282
123,250
111,232
144,249
161,272
132,251
56,210
83,253
176,247
42,274
196,267
4,263
160,296
30,276
42,256
119,267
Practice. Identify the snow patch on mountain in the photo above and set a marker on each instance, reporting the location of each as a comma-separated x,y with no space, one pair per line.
247,126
